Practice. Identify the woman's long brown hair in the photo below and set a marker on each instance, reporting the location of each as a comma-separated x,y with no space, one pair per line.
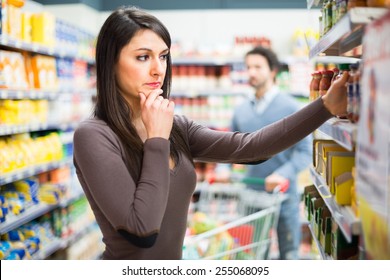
111,106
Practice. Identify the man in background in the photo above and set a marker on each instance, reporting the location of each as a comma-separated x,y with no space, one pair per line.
267,106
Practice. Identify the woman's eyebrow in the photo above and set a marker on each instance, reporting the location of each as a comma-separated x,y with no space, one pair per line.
150,50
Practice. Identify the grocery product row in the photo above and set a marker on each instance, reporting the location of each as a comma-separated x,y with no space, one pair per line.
23,71
47,86
54,234
341,205
43,32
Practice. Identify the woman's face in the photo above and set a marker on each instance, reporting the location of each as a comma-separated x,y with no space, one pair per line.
142,65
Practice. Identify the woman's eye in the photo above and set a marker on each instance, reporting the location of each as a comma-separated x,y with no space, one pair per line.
164,57
142,57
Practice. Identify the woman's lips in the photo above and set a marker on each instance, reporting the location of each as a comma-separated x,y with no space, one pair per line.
153,85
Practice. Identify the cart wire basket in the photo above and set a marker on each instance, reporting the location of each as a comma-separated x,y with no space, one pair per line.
234,223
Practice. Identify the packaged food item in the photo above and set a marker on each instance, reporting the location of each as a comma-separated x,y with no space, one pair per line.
351,91
315,85
356,100
12,70
16,3
325,81
336,72
327,17
356,3
341,9
5,248
376,3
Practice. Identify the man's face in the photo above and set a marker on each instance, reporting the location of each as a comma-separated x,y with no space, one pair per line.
258,71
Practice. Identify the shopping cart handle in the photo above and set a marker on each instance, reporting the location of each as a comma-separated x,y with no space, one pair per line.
283,187
253,180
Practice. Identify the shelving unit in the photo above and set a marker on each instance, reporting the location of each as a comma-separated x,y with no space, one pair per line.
49,249
312,3
341,131
344,41
318,245
30,214
58,51
76,93
346,35
32,94
15,129
212,61
31,171
343,215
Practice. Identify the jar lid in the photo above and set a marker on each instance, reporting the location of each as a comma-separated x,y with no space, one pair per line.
344,66
327,73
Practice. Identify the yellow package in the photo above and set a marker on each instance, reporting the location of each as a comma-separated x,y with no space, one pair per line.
26,30
43,28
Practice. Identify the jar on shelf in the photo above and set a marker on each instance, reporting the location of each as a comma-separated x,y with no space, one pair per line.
342,67
356,3
325,81
341,9
357,95
327,16
315,85
336,72
351,91
376,3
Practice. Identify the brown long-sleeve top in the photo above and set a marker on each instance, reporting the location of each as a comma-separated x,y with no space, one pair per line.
157,205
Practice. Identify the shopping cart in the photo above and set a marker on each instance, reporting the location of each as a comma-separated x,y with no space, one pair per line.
245,222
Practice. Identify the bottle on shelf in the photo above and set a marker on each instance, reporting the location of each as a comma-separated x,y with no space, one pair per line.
325,81
315,85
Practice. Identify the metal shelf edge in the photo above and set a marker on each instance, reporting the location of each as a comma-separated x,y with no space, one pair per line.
348,223
341,131
34,212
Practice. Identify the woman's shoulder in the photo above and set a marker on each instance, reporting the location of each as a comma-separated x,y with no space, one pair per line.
182,121
92,124
93,127
185,124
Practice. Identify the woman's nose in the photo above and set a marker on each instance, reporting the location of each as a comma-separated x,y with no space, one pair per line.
157,67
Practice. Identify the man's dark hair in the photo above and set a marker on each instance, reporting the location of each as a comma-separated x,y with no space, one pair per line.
271,57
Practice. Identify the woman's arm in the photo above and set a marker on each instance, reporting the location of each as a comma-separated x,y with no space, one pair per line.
231,147
132,208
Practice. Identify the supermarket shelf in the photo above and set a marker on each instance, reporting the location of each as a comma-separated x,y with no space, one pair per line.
15,129
67,137
59,243
323,255
336,59
40,94
212,61
212,92
343,215
342,131
41,49
347,33
31,171
312,3
30,214
79,234
35,211
27,94
221,60
72,198
49,249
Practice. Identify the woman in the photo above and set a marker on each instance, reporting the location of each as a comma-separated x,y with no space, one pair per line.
134,158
